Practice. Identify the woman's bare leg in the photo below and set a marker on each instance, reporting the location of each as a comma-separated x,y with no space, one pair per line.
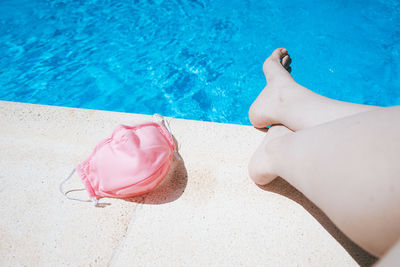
283,101
392,257
348,167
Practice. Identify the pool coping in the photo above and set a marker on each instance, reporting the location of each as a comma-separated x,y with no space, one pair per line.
207,212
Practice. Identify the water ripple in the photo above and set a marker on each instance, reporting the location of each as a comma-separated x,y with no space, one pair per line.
196,59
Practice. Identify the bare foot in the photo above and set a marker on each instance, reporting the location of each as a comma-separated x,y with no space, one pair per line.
265,109
284,101
261,168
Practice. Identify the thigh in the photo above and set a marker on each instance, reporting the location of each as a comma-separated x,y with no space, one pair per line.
350,168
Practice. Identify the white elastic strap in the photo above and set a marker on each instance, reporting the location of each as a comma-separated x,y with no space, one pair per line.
65,193
177,155
159,118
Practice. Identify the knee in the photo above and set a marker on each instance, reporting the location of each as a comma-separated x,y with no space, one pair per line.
259,167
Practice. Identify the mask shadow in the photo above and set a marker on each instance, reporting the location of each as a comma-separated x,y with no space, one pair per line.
170,189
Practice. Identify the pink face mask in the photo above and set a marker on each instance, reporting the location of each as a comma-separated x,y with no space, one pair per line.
133,161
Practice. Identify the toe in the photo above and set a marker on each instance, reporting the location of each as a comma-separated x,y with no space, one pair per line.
279,53
286,60
276,57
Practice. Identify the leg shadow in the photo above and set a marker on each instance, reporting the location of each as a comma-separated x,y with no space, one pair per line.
280,186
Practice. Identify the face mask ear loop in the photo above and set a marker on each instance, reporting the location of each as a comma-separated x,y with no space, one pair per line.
159,118
65,193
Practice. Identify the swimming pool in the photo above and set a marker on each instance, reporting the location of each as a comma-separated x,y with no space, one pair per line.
195,59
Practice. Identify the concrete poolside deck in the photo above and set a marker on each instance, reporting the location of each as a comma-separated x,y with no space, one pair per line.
206,212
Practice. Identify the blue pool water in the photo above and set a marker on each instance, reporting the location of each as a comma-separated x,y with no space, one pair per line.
196,59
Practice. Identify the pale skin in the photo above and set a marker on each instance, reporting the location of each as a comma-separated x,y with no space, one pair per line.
344,157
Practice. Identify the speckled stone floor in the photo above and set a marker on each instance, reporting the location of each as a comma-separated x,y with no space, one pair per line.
206,212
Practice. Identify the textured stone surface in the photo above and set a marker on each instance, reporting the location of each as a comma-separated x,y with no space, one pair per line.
206,212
